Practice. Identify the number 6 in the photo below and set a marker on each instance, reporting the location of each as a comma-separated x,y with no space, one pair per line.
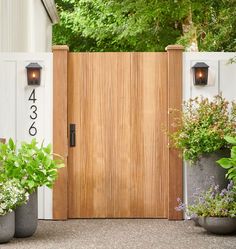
33,130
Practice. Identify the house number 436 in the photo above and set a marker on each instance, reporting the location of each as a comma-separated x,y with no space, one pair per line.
33,113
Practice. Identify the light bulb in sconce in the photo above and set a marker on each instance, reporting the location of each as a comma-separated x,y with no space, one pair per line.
200,75
33,75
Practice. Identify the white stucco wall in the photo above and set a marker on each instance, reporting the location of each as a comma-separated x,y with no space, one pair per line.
24,26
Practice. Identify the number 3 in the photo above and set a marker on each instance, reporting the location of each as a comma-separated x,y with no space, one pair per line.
34,107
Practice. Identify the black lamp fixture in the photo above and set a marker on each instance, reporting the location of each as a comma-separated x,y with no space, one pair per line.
200,74
33,74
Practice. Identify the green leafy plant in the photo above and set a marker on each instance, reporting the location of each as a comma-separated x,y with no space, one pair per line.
230,163
34,166
202,126
12,194
212,203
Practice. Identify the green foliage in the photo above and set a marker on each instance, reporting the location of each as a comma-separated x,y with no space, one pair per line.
33,166
128,25
12,194
218,23
230,163
212,203
202,126
145,25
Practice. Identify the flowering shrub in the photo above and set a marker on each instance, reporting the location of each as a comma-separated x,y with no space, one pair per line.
11,195
203,125
212,203
230,163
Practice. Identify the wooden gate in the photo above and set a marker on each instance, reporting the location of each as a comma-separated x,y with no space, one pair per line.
120,164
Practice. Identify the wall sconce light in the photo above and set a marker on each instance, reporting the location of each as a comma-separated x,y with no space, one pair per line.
200,74
33,74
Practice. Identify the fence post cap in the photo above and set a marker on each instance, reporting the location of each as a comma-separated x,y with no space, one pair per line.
174,47
60,47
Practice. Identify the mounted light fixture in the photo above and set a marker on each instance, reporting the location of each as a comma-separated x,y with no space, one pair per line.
33,74
200,74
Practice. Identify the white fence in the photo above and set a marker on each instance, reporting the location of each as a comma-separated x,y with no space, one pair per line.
16,107
222,75
221,79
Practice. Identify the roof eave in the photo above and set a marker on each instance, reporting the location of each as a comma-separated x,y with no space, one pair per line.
51,10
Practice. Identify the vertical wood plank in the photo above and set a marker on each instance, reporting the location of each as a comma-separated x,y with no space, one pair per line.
101,153
121,172
149,185
154,68
137,137
175,54
60,141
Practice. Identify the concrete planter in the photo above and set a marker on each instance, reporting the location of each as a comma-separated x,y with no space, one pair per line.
7,227
26,220
198,175
218,225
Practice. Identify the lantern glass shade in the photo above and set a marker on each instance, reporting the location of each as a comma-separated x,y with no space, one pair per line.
200,73
33,74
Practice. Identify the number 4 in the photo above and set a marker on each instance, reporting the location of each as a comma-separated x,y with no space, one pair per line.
32,96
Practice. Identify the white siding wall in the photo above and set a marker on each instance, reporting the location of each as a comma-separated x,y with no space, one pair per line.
222,78
15,107
24,26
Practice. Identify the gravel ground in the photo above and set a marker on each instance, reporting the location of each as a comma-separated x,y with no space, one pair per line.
121,234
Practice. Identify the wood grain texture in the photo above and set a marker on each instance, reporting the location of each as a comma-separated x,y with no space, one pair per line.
60,141
118,102
175,54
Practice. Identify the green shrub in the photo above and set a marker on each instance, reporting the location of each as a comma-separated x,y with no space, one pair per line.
34,166
202,126
230,163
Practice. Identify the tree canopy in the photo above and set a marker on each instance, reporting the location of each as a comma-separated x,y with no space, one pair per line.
146,25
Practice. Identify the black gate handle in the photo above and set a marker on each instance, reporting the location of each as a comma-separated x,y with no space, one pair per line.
72,135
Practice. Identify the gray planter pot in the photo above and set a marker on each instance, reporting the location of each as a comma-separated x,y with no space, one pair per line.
198,175
7,227
196,221
218,225
26,220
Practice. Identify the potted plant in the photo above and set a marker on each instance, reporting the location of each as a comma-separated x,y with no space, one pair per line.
199,134
214,208
34,166
11,195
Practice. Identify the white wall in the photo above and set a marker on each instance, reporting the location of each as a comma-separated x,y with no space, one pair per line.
24,26
222,78
15,107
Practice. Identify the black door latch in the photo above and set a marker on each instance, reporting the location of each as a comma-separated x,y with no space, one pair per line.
72,135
